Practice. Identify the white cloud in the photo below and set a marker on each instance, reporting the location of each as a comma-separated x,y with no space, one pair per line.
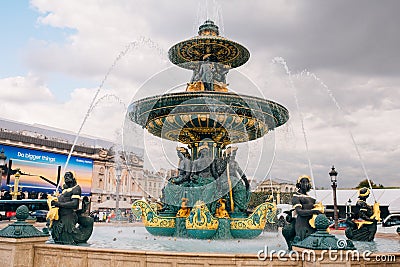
356,60
19,89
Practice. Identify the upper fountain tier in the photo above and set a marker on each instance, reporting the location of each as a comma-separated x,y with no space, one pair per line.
208,44
207,113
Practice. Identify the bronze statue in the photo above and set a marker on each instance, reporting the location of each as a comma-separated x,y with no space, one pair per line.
207,73
203,181
195,75
176,185
363,221
184,211
221,212
220,74
63,227
299,226
184,166
202,165
239,191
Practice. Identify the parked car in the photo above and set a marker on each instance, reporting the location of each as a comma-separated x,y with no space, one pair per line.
342,225
40,215
391,220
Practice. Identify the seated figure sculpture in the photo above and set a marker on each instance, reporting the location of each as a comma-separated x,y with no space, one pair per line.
240,187
184,167
303,209
175,186
363,221
207,73
63,228
220,74
221,212
203,181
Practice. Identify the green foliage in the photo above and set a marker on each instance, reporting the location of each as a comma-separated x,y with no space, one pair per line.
364,183
286,198
256,198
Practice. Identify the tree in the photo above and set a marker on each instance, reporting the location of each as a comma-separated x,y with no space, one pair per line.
256,198
364,183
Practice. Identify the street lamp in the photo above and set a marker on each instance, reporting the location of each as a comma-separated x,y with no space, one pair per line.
8,171
333,174
15,193
118,171
3,167
349,208
3,158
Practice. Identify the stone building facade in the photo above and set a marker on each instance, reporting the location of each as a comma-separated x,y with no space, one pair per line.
283,187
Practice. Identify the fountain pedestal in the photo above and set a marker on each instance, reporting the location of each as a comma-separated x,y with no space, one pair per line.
18,239
321,240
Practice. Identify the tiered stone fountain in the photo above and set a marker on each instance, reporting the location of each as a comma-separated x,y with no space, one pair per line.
209,198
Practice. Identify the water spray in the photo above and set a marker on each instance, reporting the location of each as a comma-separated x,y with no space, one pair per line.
142,40
315,77
281,61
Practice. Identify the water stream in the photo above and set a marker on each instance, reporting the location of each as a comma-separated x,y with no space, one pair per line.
306,73
143,41
332,97
281,61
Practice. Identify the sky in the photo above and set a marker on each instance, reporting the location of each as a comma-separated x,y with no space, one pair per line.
333,64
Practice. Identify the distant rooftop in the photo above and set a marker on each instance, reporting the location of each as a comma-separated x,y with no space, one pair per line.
385,197
52,134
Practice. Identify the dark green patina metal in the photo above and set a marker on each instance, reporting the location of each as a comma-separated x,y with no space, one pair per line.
224,229
222,112
245,233
161,231
208,42
322,240
201,233
207,117
20,228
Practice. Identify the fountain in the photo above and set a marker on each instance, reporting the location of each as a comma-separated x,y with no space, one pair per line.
209,197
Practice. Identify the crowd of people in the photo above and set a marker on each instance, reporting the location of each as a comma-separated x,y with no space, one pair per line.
6,195
108,215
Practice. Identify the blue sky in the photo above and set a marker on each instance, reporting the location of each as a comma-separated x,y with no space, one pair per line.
19,26
18,22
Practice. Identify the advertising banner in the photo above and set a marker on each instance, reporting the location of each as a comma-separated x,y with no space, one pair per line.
38,166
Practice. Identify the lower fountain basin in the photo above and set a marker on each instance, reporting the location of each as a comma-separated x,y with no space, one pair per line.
137,238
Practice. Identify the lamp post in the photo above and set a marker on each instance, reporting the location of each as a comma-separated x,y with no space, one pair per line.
349,205
3,167
3,158
118,171
3,164
333,174
15,193
8,171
